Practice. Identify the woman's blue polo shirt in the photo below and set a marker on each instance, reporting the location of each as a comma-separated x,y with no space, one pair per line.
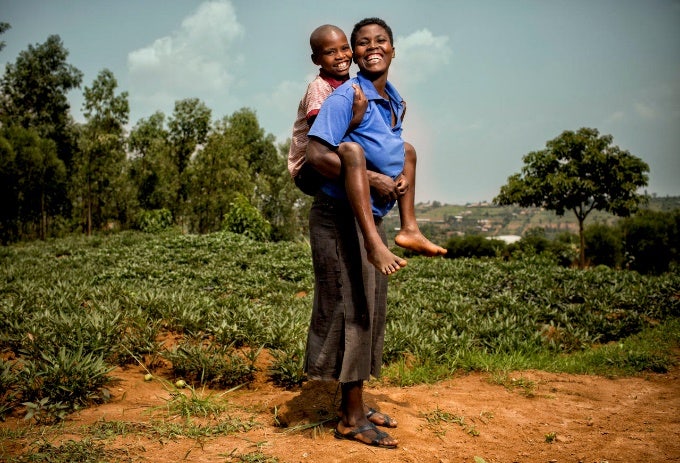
382,143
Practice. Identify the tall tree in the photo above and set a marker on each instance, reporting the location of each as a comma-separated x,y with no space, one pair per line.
189,127
100,191
152,169
264,164
34,93
217,174
580,172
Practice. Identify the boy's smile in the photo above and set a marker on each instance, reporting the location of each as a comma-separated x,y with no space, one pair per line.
342,66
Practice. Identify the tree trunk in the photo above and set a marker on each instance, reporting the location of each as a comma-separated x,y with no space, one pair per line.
43,217
89,209
582,244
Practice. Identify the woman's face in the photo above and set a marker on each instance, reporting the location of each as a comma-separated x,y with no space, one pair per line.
373,51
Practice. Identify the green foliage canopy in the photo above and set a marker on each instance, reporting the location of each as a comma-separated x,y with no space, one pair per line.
34,88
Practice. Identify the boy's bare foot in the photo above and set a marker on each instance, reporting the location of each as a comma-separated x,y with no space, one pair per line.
383,259
416,241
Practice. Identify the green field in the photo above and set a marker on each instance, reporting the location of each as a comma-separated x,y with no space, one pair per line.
73,309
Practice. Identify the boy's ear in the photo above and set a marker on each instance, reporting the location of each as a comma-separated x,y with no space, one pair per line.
314,58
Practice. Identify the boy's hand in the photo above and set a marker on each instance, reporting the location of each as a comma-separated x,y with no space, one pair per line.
383,187
402,185
359,105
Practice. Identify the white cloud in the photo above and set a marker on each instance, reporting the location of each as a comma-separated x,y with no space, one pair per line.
616,117
419,56
645,111
197,60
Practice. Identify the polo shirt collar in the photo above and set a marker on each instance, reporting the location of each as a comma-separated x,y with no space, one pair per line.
372,94
335,83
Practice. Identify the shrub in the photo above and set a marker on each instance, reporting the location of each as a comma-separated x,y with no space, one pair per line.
8,386
211,365
561,251
287,369
155,220
245,219
473,246
604,245
64,381
651,240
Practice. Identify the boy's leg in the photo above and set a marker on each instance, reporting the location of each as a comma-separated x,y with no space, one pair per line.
358,193
409,236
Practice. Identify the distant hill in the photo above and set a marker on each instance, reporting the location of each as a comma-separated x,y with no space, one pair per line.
440,221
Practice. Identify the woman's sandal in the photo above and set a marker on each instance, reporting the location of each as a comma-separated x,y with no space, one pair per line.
370,427
387,422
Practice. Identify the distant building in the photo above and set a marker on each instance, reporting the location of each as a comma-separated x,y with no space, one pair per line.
507,239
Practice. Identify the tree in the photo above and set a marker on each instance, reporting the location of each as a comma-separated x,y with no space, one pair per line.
99,189
580,172
286,208
266,166
239,158
219,172
189,127
34,93
153,170
4,27
32,179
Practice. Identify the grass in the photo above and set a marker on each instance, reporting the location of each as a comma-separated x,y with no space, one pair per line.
71,309
527,387
438,418
83,451
253,457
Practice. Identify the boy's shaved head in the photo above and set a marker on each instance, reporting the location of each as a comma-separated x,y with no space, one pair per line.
320,33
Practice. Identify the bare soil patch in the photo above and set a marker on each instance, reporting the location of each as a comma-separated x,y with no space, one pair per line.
563,418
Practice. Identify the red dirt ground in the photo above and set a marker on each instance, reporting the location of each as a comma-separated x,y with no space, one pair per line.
591,419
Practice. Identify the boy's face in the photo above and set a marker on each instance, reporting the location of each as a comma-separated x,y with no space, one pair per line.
373,51
333,54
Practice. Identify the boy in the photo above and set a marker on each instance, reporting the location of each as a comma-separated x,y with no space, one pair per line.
331,51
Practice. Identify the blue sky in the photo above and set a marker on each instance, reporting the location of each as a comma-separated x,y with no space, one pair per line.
486,81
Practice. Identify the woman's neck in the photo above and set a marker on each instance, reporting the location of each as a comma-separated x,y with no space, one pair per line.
379,82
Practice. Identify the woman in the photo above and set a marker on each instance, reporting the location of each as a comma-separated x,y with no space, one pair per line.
346,335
